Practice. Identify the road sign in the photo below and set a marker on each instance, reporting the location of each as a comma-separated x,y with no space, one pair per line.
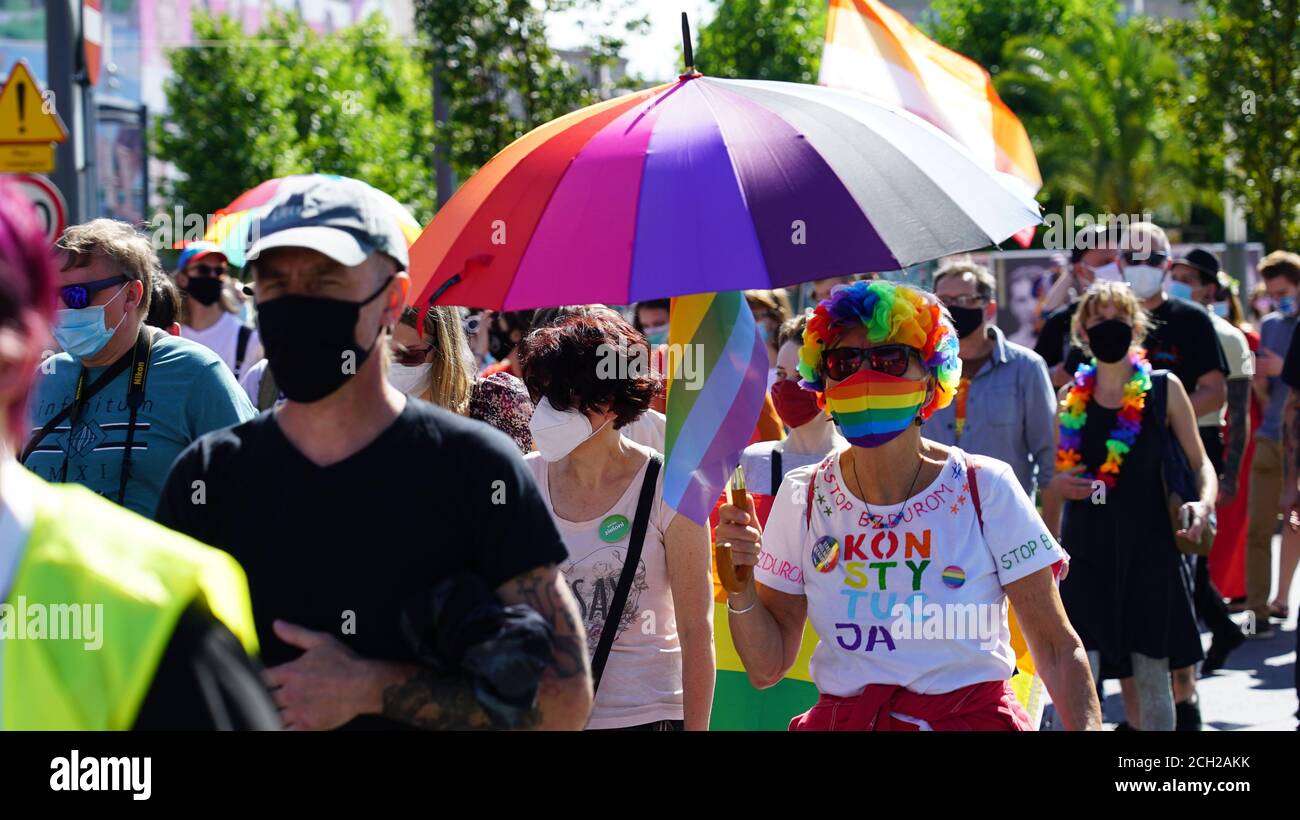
26,158
50,205
26,115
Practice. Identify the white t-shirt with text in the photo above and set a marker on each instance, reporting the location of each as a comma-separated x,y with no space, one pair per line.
921,604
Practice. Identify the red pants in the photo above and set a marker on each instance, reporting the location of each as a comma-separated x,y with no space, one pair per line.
980,707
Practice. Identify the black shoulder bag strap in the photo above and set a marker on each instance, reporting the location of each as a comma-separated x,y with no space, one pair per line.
777,472
241,347
134,399
974,492
82,395
630,564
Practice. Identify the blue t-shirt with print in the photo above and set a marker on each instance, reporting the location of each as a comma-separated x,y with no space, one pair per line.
189,391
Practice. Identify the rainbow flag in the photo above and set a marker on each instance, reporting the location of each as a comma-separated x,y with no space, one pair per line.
874,50
717,371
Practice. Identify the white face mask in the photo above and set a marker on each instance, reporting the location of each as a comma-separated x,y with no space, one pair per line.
1144,279
410,380
556,433
1108,272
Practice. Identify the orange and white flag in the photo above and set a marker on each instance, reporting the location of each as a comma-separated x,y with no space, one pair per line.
874,50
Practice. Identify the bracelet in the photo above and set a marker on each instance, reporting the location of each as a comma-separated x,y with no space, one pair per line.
741,611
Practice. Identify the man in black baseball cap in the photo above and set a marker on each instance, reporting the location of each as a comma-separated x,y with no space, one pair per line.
348,503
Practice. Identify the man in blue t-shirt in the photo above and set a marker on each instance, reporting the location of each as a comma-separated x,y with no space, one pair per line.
178,389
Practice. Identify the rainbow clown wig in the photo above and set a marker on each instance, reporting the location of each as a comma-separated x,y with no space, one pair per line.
891,313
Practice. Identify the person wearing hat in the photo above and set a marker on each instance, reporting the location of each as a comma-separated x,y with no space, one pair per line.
123,399
147,630
1195,277
1092,259
350,505
210,315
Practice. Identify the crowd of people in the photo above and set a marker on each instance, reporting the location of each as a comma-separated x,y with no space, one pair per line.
307,503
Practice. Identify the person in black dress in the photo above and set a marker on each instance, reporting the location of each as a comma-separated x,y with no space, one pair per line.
1127,592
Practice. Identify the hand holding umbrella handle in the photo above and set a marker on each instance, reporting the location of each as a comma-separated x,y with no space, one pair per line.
732,577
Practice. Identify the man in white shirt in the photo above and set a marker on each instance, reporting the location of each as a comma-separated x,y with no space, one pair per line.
210,317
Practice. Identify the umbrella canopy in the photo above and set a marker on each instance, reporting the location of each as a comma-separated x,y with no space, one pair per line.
709,185
230,229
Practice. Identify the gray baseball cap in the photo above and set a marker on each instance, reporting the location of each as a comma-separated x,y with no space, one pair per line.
345,219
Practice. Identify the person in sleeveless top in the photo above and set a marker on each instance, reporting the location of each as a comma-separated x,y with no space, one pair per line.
1128,590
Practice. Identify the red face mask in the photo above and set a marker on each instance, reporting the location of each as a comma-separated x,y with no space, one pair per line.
794,405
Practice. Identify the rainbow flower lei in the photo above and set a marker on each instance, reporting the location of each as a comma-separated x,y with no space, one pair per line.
1127,424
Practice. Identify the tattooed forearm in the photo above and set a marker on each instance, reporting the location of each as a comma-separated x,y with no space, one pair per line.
545,591
1238,424
428,700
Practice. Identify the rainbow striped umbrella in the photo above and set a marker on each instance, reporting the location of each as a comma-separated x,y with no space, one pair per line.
230,229
706,185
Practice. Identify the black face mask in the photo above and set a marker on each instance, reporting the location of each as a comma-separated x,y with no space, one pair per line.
966,320
307,339
205,290
1110,340
499,342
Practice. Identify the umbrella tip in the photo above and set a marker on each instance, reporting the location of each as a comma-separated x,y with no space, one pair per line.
686,45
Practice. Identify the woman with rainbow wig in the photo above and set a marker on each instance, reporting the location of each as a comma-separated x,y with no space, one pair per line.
900,551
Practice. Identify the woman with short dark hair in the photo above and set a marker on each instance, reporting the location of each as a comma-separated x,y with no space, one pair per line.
648,617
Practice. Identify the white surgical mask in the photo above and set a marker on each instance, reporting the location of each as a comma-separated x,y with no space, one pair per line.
556,433
1144,279
410,380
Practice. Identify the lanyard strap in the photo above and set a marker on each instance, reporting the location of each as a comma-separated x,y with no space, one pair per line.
139,367
134,400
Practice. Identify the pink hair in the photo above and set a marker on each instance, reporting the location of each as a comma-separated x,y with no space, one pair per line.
27,278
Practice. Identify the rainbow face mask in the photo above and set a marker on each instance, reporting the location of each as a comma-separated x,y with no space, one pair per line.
871,408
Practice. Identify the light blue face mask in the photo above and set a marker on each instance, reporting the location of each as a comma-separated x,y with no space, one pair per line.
1220,309
1179,290
82,332
1286,305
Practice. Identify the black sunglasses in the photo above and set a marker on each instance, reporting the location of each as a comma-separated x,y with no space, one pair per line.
78,296
410,356
1153,258
208,270
893,360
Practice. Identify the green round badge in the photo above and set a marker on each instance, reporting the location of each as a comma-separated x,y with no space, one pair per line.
613,528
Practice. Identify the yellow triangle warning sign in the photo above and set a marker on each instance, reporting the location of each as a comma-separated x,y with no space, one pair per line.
26,115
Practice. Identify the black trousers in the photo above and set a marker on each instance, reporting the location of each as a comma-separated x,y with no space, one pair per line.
1209,604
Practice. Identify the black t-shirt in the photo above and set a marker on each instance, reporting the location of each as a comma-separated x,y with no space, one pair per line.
1290,374
205,681
1182,340
340,549
1054,339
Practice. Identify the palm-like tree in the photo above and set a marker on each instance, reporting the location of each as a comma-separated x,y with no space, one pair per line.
1099,103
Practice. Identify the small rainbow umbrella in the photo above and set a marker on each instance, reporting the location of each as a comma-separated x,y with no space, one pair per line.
231,227
708,185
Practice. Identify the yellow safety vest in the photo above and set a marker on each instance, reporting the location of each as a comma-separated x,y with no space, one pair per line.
85,550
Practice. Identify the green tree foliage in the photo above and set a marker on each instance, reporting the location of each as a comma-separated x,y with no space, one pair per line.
1243,112
980,28
1106,128
287,100
501,77
763,40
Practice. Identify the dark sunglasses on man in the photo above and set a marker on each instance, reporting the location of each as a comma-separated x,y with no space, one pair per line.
841,362
1153,258
211,271
79,295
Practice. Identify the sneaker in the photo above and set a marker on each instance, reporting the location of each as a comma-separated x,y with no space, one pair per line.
1220,648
